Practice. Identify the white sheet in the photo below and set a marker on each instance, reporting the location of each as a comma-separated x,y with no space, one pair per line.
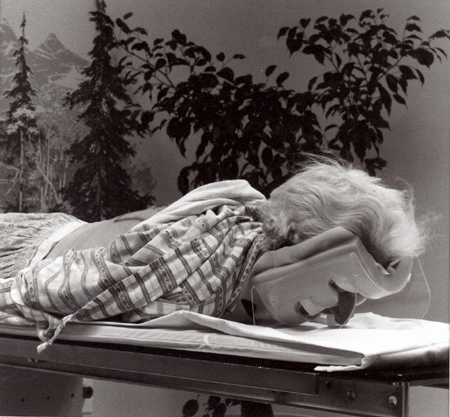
367,340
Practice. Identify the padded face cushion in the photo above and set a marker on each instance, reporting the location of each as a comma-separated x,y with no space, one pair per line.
318,274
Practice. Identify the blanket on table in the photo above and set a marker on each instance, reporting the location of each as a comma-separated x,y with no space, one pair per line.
195,255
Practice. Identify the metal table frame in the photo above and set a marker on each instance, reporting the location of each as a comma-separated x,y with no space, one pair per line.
374,393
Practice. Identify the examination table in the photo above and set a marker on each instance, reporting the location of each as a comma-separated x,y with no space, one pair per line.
189,352
364,367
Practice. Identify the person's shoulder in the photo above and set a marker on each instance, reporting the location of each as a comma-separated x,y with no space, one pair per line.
238,189
225,184
139,216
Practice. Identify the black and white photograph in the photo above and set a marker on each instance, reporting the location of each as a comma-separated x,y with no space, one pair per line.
224,208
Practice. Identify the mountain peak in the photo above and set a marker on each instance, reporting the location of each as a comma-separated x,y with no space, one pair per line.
52,44
6,32
52,38
51,62
53,50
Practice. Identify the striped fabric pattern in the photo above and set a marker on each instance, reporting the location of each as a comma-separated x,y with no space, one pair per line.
199,263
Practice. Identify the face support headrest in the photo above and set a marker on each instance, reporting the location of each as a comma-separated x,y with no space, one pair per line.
297,282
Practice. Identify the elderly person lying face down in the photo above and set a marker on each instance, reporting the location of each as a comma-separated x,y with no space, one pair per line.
196,254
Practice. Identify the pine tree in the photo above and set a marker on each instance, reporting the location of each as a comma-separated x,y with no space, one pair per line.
101,187
21,130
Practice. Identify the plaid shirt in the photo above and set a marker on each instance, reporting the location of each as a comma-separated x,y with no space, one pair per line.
198,263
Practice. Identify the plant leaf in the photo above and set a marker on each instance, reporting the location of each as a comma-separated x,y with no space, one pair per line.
321,19
407,72
226,73
424,57
267,156
304,23
220,57
282,32
441,34
312,82
269,70
191,407
399,99
420,75
412,27
392,82
282,78
345,18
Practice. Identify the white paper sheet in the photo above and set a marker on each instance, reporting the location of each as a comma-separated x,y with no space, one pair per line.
367,340
371,338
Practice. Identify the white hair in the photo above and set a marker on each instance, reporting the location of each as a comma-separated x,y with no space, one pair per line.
328,194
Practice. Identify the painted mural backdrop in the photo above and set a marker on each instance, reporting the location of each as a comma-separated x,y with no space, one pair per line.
246,128
35,178
55,70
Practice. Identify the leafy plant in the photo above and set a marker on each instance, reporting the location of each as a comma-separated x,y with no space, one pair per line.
258,131
248,130
370,67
